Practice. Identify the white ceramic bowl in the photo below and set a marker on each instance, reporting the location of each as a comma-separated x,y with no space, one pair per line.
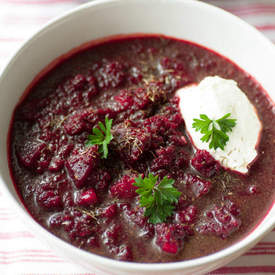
186,19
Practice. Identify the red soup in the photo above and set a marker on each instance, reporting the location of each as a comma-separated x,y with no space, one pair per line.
85,192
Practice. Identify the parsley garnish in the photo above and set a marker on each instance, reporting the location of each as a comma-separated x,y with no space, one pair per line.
208,127
158,199
102,136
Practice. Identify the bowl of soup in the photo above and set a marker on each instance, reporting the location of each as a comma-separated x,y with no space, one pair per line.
138,136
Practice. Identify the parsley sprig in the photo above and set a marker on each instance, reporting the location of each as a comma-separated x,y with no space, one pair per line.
102,136
158,199
209,128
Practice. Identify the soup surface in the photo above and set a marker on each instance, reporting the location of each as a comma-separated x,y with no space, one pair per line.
90,201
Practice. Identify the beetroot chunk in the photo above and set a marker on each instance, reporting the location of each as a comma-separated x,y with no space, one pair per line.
170,237
99,179
57,162
124,188
49,199
85,120
165,158
136,218
109,212
81,163
30,152
112,235
88,198
169,160
198,186
187,215
78,225
205,163
131,142
219,221
74,124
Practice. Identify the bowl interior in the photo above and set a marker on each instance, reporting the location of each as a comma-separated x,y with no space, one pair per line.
185,19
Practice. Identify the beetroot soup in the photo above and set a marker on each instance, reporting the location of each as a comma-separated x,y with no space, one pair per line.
81,184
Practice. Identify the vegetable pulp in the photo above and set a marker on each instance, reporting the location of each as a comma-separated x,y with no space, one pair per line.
90,201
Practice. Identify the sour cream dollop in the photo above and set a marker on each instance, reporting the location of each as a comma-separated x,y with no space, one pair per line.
215,97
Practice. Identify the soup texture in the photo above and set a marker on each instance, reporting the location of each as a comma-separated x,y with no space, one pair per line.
88,197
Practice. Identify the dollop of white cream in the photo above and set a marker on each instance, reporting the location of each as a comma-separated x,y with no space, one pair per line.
215,97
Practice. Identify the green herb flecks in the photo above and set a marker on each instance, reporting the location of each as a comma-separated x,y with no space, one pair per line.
102,136
158,199
209,128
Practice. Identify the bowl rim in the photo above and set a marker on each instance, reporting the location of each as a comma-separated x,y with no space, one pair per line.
233,250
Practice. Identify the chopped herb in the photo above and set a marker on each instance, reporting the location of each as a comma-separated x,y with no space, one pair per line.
217,137
158,199
102,136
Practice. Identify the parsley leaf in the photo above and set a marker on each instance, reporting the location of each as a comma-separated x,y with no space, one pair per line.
209,128
102,136
158,199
